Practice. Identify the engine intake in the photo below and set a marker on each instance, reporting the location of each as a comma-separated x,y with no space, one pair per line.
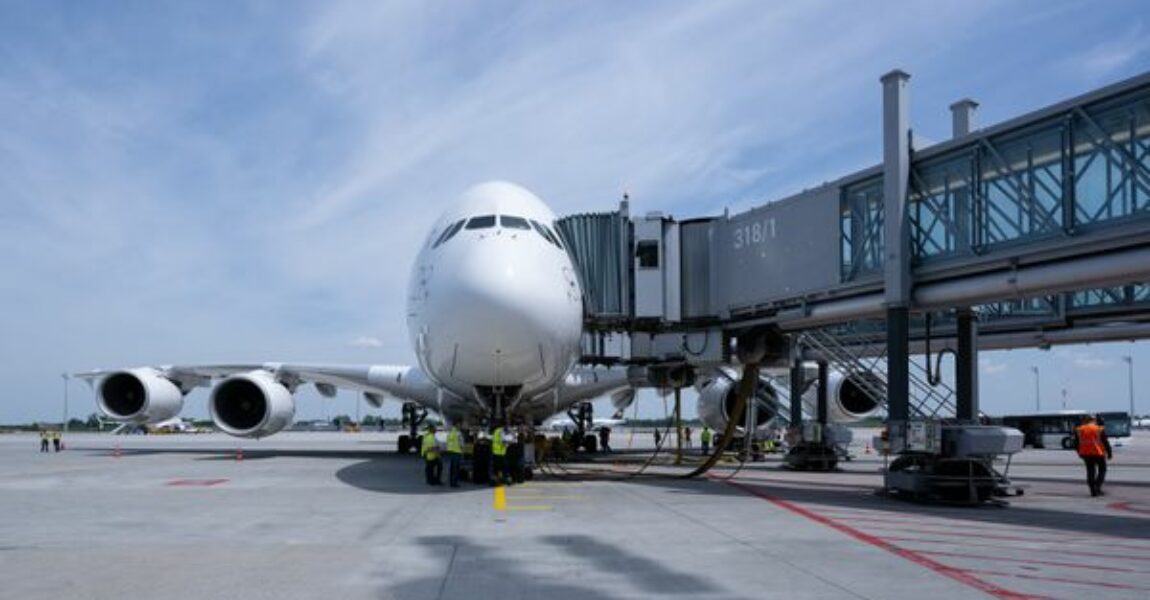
847,398
251,404
139,396
717,403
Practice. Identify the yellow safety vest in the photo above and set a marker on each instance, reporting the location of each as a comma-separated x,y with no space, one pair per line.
497,446
706,437
430,452
453,443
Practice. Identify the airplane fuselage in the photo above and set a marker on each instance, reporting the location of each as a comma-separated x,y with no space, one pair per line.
495,310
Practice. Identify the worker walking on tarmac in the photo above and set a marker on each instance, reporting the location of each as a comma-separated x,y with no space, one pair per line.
705,438
1094,449
429,450
43,440
604,439
687,436
499,456
454,455
56,440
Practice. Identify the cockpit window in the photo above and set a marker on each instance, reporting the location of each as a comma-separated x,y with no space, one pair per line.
449,232
513,222
483,222
546,233
554,236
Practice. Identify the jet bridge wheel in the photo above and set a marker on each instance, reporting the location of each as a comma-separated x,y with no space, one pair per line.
404,444
590,443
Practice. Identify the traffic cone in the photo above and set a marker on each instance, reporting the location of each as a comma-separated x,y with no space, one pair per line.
240,454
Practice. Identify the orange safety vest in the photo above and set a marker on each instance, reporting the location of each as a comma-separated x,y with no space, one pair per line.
1090,441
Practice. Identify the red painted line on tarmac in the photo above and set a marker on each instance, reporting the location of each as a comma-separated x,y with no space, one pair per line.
1077,541
1061,550
987,536
1029,561
936,523
958,575
1127,506
1105,584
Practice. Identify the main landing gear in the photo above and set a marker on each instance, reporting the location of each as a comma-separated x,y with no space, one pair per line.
582,415
413,417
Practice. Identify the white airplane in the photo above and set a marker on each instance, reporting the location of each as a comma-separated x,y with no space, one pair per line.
494,314
567,423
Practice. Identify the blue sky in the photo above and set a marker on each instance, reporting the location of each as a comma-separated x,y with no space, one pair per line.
230,181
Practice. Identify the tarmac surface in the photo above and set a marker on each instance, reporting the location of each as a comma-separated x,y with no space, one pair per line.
305,515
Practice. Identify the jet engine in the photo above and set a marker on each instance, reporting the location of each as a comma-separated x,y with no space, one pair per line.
251,404
717,403
846,399
139,396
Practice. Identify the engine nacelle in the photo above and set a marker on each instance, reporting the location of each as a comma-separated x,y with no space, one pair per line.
251,404
139,396
717,403
846,399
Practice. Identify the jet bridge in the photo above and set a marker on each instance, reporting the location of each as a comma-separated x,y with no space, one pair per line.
1032,232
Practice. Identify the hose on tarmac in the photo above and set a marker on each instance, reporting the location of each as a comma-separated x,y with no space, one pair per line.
743,391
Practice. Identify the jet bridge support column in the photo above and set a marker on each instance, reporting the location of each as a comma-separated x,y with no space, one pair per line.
797,385
897,255
822,397
966,367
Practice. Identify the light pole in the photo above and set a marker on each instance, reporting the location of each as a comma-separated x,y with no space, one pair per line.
1130,367
65,425
1037,397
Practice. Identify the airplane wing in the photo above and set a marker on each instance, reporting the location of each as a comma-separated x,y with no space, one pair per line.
375,381
587,383
253,400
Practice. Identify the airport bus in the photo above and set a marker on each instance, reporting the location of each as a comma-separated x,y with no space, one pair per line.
1056,429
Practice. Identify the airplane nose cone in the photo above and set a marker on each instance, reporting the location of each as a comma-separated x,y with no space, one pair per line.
500,305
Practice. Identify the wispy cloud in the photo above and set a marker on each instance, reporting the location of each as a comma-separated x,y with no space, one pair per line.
1115,53
990,366
1083,359
364,341
256,186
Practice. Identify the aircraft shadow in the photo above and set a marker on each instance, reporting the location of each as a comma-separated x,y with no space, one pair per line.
480,571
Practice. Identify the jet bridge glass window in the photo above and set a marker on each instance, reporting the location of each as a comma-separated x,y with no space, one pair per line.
484,222
513,222
648,254
449,232
546,233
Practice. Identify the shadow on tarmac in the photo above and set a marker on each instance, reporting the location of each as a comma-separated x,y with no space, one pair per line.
387,472
479,571
865,499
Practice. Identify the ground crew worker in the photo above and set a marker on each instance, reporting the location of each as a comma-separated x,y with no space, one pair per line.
705,438
687,436
498,456
43,440
454,455
1094,448
56,440
432,467
658,438
605,439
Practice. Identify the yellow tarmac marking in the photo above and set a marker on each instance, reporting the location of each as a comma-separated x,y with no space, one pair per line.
499,502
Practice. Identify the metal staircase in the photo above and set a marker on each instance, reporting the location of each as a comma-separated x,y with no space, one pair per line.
926,400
